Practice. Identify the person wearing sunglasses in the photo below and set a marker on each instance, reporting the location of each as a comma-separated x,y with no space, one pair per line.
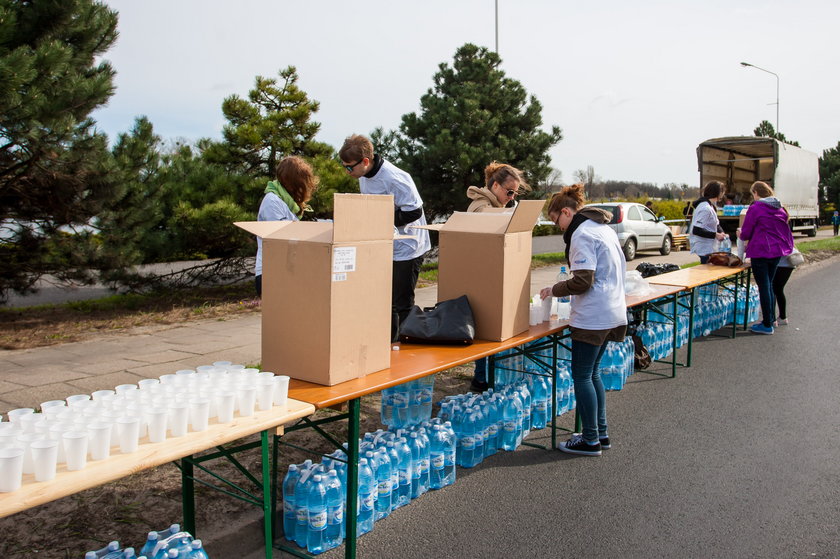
378,176
502,183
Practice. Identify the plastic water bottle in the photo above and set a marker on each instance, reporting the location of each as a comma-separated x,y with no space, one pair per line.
335,511
414,444
510,425
366,497
404,472
391,448
289,514
491,420
317,515
563,275
386,407
415,395
449,445
427,392
423,482
437,458
539,415
725,245
151,541
197,551
383,484
128,553
399,399
301,498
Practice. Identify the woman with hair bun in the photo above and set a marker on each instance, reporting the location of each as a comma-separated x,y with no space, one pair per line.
769,238
502,183
599,311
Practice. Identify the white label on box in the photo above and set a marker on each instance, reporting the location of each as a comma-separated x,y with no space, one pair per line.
344,259
339,277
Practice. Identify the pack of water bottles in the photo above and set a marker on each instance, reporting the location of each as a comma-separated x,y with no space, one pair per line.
395,467
408,404
171,543
617,363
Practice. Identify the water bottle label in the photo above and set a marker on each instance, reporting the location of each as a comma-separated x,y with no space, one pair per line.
335,515
384,487
449,459
288,507
302,516
416,397
492,430
510,426
366,501
395,480
426,396
400,400
405,477
424,465
318,520
468,443
437,460
542,406
418,469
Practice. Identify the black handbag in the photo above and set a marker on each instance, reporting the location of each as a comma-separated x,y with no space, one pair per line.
448,322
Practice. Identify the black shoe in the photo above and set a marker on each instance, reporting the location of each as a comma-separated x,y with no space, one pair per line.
576,445
478,386
605,443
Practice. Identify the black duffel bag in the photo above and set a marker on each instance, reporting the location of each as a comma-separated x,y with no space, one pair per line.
648,269
448,322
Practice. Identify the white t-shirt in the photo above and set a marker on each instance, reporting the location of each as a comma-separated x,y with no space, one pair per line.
272,208
391,180
705,216
602,306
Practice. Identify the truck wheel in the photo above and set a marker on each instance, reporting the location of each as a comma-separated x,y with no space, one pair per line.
630,249
665,250
812,232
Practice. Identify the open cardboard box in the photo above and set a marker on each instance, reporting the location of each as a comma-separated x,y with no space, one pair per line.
326,303
487,257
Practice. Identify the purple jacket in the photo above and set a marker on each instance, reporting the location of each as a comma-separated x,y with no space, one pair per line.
766,229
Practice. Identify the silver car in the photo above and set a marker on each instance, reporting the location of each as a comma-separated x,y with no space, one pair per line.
638,228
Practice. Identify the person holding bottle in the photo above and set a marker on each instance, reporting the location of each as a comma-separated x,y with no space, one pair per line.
285,200
705,231
598,313
502,183
768,238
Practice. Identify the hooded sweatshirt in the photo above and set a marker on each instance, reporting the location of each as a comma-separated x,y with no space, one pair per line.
766,228
482,198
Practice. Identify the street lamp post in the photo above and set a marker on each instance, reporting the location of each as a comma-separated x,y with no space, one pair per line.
745,64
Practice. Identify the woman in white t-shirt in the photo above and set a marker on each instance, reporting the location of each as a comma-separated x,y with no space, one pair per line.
705,232
599,310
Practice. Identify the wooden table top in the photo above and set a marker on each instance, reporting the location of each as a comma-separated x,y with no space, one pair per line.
658,291
148,455
689,278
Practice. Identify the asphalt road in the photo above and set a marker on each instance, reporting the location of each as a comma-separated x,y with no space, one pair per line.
737,457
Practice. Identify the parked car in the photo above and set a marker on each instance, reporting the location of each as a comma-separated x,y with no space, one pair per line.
638,228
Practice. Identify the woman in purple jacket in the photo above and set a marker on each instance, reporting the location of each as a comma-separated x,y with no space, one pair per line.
766,228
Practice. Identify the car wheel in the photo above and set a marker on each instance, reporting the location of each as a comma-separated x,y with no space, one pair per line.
630,249
665,249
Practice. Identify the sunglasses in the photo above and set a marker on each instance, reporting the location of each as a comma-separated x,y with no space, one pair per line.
511,192
353,166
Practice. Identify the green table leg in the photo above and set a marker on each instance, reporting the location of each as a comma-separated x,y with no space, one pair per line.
188,494
352,478
691,304
554,392
268,512
675,318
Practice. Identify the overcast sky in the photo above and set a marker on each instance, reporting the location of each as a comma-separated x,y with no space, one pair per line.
635,86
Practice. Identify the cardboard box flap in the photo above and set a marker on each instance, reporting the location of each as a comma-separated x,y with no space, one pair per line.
261,229
483,222
363,217
525,216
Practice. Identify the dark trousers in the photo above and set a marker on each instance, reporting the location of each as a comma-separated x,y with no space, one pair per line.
779,280
258,285
403,282
763,270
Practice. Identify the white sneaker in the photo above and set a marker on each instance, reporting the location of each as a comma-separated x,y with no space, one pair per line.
783,322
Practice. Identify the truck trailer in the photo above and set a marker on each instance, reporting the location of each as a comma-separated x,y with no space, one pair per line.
739,161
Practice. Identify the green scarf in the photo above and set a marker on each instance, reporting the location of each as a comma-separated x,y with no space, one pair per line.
277,188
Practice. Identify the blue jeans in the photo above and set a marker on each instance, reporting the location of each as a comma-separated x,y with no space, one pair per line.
589,390
480,373
763,270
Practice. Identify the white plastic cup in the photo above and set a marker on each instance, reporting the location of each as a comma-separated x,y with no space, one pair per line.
147,383
179,416
226,402
281,390
185,372
102,394
15,415
265,393
534,315
23,441
30,421
156,423
99,445
168,379
124,388
52,404
9,433
73,400
11,469
45,458
222,364
75,449
546,308
199,413
128,433
205,368
246,397
56,432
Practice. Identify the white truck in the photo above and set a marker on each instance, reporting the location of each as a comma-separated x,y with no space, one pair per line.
738,161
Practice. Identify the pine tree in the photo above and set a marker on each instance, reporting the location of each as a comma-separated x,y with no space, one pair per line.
473,115
54,166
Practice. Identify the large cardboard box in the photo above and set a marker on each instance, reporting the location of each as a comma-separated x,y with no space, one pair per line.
326,303
487,257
